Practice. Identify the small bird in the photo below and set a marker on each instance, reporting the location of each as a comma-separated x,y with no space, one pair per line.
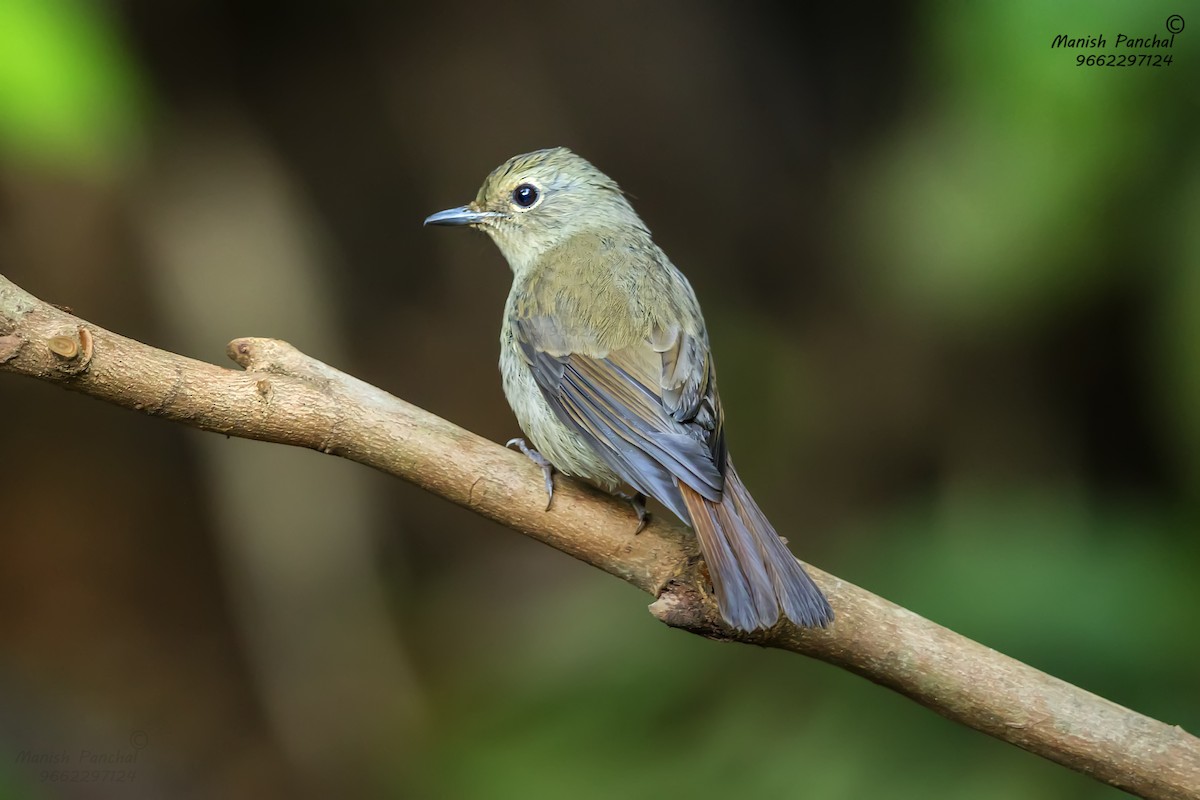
605,361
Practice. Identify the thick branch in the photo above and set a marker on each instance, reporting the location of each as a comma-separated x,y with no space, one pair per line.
285,396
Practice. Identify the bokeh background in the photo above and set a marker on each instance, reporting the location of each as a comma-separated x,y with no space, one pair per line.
953,285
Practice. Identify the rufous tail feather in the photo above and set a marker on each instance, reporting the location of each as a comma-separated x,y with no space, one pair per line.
754,574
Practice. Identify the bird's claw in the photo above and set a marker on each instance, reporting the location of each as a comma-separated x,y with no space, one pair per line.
541,461
638,501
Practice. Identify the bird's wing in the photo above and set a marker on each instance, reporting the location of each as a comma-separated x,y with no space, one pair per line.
649,410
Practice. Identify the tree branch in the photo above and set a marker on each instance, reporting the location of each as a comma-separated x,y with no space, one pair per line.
284,396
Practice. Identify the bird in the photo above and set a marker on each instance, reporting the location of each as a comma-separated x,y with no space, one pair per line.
605,360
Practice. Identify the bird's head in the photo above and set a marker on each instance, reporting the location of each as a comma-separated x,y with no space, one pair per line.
537,201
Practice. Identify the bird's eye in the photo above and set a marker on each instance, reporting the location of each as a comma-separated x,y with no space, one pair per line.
525,195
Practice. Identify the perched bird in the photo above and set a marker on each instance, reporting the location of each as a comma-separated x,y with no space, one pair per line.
605,361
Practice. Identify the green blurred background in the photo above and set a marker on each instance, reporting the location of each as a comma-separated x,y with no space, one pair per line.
953,285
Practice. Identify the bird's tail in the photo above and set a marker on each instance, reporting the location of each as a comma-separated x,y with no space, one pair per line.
752,570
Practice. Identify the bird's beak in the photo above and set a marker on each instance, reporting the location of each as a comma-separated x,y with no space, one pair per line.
463,215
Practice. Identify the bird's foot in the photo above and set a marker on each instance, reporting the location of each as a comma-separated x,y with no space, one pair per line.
638,501
541,461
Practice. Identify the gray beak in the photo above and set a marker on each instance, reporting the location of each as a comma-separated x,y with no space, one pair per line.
463,215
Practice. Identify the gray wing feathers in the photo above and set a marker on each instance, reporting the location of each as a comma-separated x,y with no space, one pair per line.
650,435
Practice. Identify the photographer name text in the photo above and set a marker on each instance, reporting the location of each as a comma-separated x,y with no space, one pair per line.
1101,42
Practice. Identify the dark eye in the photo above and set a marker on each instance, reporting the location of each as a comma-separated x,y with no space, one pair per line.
525,195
